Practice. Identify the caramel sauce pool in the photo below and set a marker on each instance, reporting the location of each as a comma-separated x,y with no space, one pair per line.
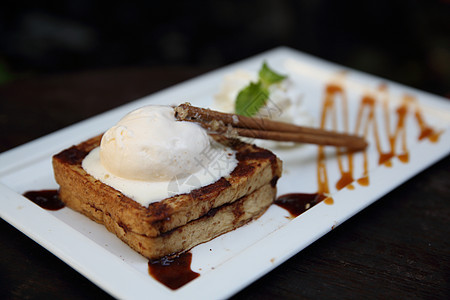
298,203
47,199
173,273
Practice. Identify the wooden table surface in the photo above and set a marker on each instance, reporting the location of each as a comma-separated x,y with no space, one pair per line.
396,248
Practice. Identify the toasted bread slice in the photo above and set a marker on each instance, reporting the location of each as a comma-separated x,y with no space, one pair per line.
216,222
80,191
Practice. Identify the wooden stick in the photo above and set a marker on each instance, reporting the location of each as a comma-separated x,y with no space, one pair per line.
266,129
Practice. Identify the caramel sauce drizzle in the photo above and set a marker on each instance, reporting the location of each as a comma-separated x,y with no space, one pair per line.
334,91
426,132
366,125
399,132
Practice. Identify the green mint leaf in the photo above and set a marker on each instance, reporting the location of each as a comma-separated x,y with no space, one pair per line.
255,95
268,76
251,99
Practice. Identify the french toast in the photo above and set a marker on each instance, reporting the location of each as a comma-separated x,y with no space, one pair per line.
178,223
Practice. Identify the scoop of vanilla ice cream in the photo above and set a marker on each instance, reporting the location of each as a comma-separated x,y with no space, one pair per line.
149,156
150,144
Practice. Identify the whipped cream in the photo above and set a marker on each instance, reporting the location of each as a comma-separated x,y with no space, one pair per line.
149,156
284,104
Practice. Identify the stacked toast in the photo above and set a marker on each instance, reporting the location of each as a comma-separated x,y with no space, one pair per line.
178,223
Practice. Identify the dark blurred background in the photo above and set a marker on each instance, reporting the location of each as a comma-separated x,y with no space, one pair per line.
406,41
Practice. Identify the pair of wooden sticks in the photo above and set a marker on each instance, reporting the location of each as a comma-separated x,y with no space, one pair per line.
262,128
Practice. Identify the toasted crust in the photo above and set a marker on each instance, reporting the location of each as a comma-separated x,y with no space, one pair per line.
79,190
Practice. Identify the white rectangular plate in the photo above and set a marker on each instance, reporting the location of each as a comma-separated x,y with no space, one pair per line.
232,261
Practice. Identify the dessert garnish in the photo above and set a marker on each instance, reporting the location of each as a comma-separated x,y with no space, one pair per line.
261,128
256,94
263,94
